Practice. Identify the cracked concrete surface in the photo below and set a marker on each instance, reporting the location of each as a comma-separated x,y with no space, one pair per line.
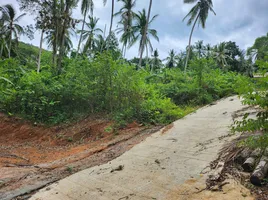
153,168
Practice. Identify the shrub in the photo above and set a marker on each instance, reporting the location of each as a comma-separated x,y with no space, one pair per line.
255,93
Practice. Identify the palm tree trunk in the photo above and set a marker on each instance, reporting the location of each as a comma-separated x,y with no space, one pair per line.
189,46
123,47
55,41
112,18
80,40
62,37
10,40
104,32
147,55
40,51
145,32
1,50
125,51
9,49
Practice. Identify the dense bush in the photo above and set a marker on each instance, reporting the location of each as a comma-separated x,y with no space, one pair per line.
255,93
203,84
100,85
112,87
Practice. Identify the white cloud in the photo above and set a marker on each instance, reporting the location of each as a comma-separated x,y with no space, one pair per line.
240,21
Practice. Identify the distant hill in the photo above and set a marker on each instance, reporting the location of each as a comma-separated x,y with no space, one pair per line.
29,50
28,53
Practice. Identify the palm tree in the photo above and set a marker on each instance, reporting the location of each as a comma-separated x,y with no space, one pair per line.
43,24
86,5
67,43
199,47
221,54
99,44
11,24
40,51
171,59
139,30
126,37
112,16
245,65
181,60
127,16
3,44
208,50
155,62
143,40
199,13
90,33
67,22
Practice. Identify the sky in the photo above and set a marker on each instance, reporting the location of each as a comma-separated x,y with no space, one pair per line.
241,21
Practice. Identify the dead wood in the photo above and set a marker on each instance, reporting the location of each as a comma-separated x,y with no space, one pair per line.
250,162
261,170
217,172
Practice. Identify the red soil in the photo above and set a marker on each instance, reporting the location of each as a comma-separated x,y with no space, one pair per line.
22,143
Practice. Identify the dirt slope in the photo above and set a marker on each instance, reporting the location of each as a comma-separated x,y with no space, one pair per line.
33,155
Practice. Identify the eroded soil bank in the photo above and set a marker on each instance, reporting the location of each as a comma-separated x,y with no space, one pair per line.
32,156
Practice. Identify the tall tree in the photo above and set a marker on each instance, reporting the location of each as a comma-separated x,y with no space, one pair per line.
140,30
259,50
171,59
112,17
86,5
11,24
89,34
143,41
208,50
127,15
234,54
3,44
221,54
199,13
155,62
42,23
67,22
40,51
199,47
67,41
101,44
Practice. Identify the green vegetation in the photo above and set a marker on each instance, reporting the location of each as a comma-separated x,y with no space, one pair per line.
65,84
255,94
112,87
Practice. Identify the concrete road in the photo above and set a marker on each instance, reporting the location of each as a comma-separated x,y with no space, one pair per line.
153,168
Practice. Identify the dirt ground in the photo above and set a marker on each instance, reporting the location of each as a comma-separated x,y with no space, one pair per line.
32,156
194,189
